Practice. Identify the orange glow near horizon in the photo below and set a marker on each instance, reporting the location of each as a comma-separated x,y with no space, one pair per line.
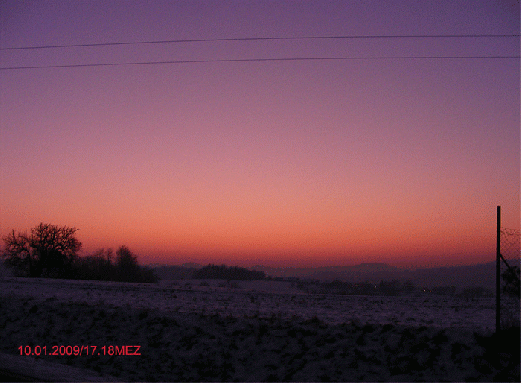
325,242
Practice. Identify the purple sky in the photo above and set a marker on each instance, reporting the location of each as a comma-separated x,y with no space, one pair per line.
397,160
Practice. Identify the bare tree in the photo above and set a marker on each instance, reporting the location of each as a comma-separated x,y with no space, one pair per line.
48,251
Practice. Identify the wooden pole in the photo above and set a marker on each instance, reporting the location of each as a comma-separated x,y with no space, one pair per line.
498,270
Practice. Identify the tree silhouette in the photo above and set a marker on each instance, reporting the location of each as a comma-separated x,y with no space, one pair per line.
97,266
101,265
127,268
49,251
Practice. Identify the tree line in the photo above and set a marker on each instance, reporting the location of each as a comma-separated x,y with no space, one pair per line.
51,251
229,273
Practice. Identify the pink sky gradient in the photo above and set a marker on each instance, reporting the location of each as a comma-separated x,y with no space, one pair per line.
293,163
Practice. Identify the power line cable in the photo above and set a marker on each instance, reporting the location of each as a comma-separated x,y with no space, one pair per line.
178,41
173,62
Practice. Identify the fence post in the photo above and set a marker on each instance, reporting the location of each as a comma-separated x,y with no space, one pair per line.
498,270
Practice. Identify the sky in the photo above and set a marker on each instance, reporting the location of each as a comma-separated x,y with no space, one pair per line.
399,152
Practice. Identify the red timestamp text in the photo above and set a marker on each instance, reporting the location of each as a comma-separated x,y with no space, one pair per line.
78,350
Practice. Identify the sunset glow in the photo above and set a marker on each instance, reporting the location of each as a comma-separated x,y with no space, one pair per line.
285,163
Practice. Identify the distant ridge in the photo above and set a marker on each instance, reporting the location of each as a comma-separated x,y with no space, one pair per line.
192,265
459,276
173,272
353,273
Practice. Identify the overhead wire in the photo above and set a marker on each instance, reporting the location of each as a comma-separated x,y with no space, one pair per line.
230,39
172,62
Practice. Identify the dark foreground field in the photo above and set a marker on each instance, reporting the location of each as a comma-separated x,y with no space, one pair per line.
193,347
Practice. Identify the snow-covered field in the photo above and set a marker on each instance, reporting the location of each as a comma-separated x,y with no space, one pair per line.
254,331
264,299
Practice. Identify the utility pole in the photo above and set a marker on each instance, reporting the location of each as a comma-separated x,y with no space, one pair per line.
498,270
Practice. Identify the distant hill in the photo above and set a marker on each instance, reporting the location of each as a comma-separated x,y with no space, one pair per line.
229,273
192,265
196,271
459,276
371,272
173,272
483,274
